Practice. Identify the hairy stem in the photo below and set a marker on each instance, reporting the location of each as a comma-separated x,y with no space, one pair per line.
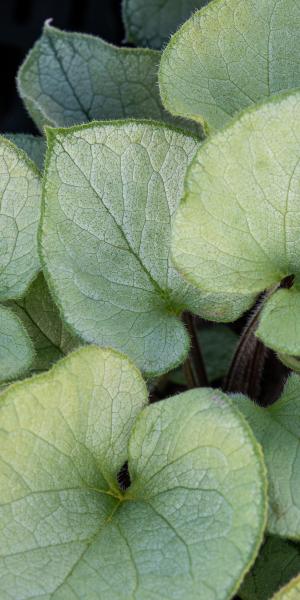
194,367
247,365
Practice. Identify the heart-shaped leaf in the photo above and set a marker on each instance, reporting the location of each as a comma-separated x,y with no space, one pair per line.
189,525
229,55
277,428
70,78
20,196
278,561
151,23
290,591
40,317
33,145
238,227
16,349
111,192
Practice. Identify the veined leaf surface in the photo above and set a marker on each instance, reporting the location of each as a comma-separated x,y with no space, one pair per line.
230,55
111,192
191,521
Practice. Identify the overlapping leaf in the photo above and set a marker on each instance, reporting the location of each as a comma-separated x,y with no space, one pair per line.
151,23
188,526
111,192
16,349
20,196
238,226
290,591
20,192
278,561
41,319
229,55
70,78
33,145
277,429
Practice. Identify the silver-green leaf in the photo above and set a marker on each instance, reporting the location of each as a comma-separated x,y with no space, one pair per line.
237,228
69,78
40,316
277,428
230,55
111,192
188,526
20,207
151,23
16,348
33,145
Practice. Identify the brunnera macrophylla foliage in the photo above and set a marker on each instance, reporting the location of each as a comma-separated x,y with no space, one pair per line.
70,78
150,24
231,55
237,228
188,526
111,190
20,208
103,258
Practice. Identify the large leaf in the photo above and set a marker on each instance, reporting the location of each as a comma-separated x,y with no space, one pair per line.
237,228
42,321
33,145
230,55
290,591
70,78
278,561
189,525
277,428
111,191
16,349
151,23
20,196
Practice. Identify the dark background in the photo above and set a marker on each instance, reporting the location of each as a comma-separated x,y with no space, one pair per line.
21,23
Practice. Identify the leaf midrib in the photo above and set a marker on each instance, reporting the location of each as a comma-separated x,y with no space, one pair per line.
164,294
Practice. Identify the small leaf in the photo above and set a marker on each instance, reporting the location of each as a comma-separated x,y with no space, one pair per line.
20,192
292,362
151,23
277,428
16,349
278,327
70,78
111,192
237,228
188,526
290,591
278,561
230,55
41,319
33,145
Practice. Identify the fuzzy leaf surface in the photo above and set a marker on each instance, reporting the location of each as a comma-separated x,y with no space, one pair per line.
111,192
20,200
197,497
16,349
237,228
278,561
33,145
151,23
230,55
277,428
70,78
